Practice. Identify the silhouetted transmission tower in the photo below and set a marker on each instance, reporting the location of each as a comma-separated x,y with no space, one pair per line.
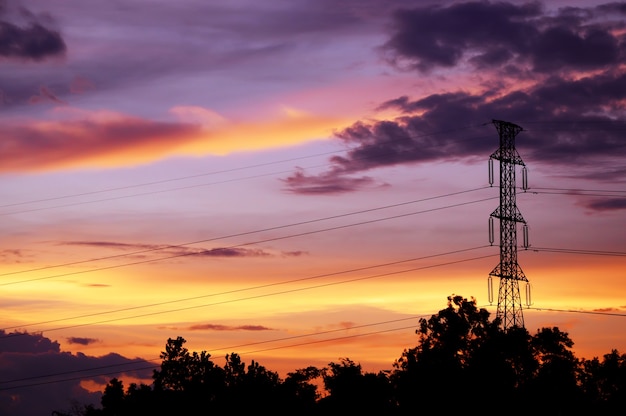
509,272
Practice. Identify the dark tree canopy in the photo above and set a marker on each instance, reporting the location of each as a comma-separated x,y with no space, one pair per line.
463,362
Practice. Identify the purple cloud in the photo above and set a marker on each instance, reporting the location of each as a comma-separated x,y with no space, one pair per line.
232,252
492,34
82,341
37,377
296,253
566,121
34,42
167,251
29,41
112,244
608,204
46,96
325,183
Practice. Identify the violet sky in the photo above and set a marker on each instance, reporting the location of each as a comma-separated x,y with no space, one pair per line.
240,172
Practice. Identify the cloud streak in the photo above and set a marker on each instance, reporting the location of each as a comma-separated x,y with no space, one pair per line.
141,250
218,327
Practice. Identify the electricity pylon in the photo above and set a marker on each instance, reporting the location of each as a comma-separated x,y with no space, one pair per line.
510,273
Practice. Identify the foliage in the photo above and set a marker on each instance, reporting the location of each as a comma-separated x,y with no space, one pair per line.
463,361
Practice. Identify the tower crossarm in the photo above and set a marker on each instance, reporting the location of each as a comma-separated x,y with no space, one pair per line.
515,272
516,216
511,157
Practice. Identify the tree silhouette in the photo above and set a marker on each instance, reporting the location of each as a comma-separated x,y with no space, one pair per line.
604,383
437,369
350,391
113,398
463,362
187,383
554,387
299,394
252,389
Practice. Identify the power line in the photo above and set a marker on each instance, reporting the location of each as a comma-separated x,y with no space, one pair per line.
172,246
201,252
578,251
169,247
82,370
181,178
369,156
174,301
578,125
329,340
231,348
577,190
236,169
622,315
578,194
227,348
229,292
268,294
330,331
42,383
577,129
575,121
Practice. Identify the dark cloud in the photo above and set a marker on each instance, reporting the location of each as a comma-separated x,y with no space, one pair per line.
82,341
617,7
608,204
26,37
565,121
34,42
297,253
587,49
217,327
29,41
491,34
434,36
24,342
37,377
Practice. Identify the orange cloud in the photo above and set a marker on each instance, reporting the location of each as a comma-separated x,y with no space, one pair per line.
106,139
110,141
288,127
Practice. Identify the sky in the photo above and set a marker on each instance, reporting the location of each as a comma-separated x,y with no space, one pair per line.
295,181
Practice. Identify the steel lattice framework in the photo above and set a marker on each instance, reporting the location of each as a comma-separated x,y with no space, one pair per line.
510,273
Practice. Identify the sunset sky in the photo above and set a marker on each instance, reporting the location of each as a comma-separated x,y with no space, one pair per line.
295,181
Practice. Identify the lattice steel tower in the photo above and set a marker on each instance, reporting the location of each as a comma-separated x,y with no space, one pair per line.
509,272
